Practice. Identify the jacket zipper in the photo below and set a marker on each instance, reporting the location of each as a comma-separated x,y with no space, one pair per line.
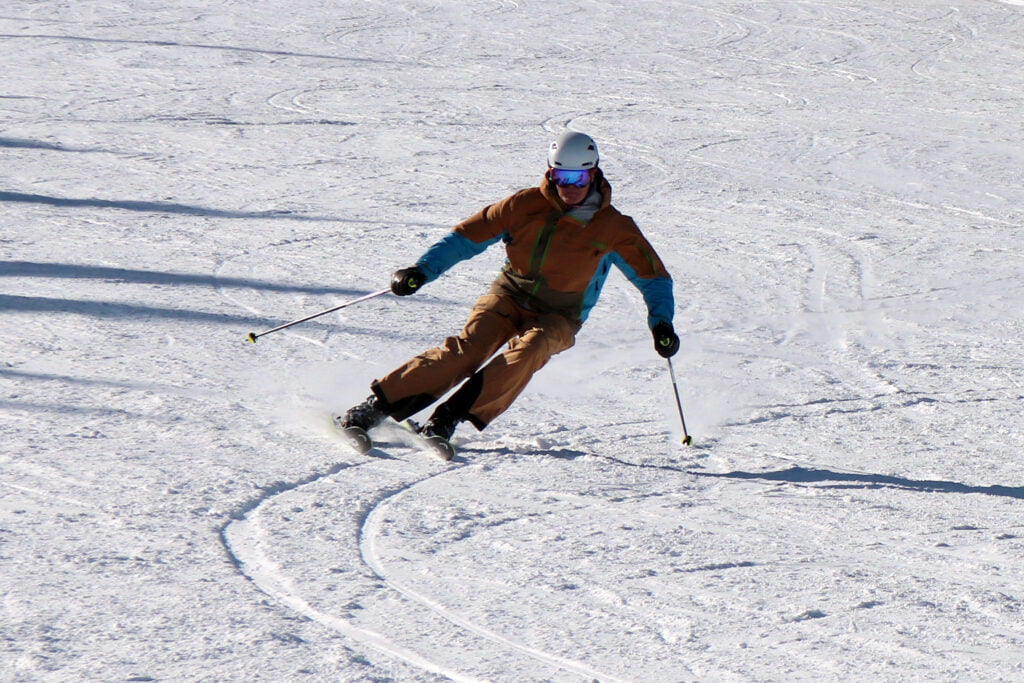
540,250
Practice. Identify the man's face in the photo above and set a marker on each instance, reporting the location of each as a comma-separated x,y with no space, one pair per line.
573,195
573,185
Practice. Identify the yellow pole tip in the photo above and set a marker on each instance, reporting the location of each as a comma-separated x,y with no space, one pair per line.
251,338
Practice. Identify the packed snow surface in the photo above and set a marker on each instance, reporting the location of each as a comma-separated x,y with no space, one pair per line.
837,189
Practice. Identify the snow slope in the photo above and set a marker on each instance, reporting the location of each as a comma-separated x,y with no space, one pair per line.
836,187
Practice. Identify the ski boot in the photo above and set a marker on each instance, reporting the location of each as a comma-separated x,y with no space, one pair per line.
437,431
355,424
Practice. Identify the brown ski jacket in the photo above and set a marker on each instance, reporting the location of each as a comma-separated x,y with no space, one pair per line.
558,259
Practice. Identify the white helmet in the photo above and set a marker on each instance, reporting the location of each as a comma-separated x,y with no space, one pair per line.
573,152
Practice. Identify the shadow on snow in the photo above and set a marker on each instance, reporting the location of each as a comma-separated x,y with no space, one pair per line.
85,272
22,143
197,46
152,207
846,480
106,309
809,475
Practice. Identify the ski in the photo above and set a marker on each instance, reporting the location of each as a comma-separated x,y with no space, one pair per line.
442,448
356,437
435,445
360,441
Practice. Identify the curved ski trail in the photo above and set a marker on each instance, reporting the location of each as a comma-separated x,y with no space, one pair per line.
246,540
371,556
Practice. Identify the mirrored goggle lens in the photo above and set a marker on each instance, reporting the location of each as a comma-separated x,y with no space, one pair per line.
562,176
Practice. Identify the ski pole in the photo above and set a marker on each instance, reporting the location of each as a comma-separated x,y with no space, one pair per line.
687,439
254,336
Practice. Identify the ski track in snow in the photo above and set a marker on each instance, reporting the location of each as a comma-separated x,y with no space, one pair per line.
368,543
245,540
835,188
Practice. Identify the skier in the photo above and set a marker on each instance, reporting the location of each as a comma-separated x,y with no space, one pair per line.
561,239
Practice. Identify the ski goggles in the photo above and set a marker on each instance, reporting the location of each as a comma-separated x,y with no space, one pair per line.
564,176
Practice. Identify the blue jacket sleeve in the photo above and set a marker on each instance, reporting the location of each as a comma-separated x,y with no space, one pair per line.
449,250
657,293
660,302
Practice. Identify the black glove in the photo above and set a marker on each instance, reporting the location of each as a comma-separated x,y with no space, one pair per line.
407,281
666,343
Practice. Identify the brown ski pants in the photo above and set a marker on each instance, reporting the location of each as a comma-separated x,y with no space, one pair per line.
495,319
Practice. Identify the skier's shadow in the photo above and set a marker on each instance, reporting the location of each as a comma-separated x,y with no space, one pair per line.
800,475
853,480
